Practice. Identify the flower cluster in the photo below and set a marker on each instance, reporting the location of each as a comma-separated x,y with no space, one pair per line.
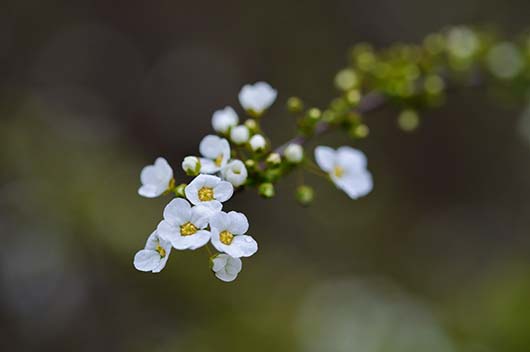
195,218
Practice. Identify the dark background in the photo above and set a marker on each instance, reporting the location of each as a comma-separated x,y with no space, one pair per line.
436,258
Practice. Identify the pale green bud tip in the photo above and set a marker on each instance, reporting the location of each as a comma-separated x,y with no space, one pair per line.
266,190
295,104
314,114
353,96
251,124
274,159
408,120
249,163
179,190
305,195
346,79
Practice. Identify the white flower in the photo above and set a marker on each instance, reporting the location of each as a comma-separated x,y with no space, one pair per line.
257,97
223,120
347,169
239,134
228,234
155,178
154,256
216,153
184,225
226,268
191,165
235,172
294,153
257,142
209,190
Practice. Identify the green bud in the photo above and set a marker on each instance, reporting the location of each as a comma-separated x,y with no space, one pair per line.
266,190
179,190
353,97
346,79
408,120
295,105
314,114
305,195
360,131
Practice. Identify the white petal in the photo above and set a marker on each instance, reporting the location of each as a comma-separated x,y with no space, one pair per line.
201,214
148,176
325,158
223,191
166,231
152,241
210,146
238,223
233,266
208,166
150,191
177,212
350,158
356,185
241,246
192,190
163,170
219,221
194,241
219,262
235,173
146,260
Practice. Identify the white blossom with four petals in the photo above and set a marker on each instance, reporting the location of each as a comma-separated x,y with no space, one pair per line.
225,267
216,153
229,234
347,169
209,190
257,97
185,226
154,256
155,178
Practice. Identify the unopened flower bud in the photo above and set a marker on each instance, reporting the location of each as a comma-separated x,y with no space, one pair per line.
239,134
274,159
304,195
266,190
179,190
294,153
191,165
295,105
257,142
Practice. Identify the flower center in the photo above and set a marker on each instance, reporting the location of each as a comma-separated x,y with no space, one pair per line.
219,160
338,171
188,229
206,194
226,237
160,250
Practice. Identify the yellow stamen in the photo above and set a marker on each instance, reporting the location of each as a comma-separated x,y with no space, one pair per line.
188,229
206,194
160,250
226,237
338,171
219,160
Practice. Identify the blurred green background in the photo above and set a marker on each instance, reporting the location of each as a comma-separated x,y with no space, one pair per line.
437,258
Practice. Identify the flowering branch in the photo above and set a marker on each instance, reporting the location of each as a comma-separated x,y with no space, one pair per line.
240,156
